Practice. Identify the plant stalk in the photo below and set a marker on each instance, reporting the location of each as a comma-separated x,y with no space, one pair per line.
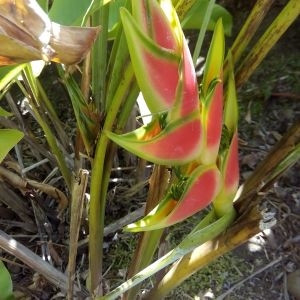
202,32
97,201
281,23
182,7
249,28
78,196
99,57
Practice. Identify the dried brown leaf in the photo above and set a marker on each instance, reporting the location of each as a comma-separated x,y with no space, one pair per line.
26,184
27,33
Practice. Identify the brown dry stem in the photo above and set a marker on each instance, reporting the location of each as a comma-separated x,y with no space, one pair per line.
26,184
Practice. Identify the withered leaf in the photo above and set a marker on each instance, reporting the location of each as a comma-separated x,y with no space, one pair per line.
27,33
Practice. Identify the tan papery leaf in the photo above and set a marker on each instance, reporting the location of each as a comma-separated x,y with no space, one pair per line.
27,33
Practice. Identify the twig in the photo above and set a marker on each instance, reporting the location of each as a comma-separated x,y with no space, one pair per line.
286,95
33,166
35,262
113,227
78,196
237,285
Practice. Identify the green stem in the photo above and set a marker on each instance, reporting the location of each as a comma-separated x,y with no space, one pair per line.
97,201
249,28
53,116
99,57
201,35
286,17
118,58
30,82
287,162
192,241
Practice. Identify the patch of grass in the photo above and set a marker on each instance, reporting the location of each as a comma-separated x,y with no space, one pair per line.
222,273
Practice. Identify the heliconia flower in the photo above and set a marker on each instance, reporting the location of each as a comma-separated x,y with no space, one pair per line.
160,55
215,57
228,158
27,34
178,143
212,97
230,170
230,166
223,203
211,117
200,189
167,79
231,105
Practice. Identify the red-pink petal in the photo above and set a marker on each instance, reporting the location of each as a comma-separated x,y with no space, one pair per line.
212,122
163,77
190,101
162,30
214,118
200,194
181,144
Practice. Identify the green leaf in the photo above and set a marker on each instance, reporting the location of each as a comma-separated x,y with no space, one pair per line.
4,113
87,119
114,14
44,4
231,105
8,139
195,17
9,73
6,286
214,61
65,12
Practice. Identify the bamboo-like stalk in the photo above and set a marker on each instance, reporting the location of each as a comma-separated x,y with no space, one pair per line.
275,163
85,90
281,23
97,203
249,217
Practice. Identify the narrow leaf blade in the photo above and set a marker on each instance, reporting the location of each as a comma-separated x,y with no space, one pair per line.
8,139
